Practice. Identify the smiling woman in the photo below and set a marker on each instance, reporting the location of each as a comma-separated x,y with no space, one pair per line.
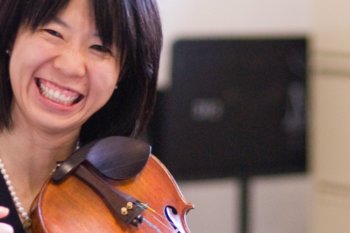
63,75
60,63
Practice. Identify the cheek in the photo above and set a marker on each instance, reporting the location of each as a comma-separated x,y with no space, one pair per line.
105,81
108,75
25,60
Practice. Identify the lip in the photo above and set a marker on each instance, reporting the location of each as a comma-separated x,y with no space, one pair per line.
56,94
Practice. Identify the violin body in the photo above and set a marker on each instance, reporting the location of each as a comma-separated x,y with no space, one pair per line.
72,206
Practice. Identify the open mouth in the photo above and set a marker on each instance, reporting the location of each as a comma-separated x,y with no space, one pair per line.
58,94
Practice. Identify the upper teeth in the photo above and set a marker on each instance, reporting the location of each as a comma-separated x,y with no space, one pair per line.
57,96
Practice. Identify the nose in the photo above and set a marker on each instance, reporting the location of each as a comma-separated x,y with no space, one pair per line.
71,63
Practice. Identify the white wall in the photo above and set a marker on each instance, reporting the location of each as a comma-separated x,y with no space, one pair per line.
217,205
329,129
280,204
229,18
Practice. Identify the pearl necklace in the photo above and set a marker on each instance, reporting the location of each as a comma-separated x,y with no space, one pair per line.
26,221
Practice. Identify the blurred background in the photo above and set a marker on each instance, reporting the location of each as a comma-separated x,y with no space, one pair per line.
252,113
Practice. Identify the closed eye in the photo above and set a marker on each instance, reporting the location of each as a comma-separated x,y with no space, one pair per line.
101,49
53,32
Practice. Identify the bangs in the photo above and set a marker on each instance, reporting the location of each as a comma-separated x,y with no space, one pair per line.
40,12
106,16
106,13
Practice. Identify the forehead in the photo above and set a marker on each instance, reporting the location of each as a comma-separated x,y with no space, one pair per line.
77,15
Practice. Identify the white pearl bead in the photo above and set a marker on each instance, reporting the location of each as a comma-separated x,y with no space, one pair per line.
3,171
8,182
23,214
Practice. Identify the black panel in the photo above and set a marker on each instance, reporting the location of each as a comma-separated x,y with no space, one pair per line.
235,108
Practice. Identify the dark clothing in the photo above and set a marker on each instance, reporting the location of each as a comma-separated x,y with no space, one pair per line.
6,200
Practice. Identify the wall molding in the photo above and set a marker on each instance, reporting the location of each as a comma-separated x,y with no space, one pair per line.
334,63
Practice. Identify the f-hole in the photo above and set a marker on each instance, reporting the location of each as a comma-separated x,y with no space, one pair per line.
174,219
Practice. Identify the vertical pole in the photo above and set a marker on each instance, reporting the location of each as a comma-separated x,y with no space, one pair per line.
244,205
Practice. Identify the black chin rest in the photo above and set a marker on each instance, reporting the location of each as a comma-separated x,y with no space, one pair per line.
114,157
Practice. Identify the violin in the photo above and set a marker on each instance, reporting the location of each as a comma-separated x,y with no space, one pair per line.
112,185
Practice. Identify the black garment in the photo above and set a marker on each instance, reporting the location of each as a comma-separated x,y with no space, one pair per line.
6,200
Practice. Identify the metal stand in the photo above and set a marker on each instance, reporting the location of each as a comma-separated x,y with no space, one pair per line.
244,204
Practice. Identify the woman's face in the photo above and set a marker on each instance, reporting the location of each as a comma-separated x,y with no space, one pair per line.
61,73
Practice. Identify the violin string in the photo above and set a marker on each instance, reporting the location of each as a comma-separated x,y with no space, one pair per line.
152,225
158,217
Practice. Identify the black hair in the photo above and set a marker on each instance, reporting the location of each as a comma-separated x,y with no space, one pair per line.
132,25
